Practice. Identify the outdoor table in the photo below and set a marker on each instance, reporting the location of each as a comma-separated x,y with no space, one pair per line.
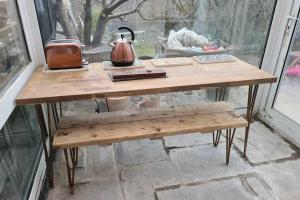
50,88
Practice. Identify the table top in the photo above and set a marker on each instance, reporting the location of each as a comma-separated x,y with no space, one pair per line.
95,83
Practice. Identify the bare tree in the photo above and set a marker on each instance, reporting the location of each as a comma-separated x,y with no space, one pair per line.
184,10
185,13
107,14
64,20
87,22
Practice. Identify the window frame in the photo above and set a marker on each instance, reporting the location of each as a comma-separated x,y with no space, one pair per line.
35,48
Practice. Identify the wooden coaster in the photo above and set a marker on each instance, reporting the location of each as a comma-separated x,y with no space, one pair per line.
85,67
107,65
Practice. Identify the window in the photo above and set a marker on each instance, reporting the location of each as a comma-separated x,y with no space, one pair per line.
242,24
241,27
13,50
20,148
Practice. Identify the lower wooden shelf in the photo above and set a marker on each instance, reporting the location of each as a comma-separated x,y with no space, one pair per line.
107,128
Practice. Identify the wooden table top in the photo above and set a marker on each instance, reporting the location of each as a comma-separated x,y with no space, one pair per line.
80,85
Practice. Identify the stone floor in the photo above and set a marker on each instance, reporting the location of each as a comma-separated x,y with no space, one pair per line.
185,167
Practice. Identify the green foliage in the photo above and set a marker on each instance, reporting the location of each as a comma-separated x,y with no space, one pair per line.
144,49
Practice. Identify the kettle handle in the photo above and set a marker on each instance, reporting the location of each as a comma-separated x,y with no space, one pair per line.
128,29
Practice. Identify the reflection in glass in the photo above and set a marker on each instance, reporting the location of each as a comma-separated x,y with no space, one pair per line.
13,51
287,99
20,149
241,26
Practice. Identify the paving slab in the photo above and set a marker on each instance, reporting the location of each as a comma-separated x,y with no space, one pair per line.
188,140
100,190
206,162
140,152
283,178
94,163
96,176
234,188
263,144
100,163
140,181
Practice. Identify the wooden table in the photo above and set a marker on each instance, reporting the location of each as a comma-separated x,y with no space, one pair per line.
73,86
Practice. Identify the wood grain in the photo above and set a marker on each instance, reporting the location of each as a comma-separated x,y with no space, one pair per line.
94,83
122,126
94,119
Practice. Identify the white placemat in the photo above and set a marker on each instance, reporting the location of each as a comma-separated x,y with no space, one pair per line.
107,65
217,58
171,62
83,68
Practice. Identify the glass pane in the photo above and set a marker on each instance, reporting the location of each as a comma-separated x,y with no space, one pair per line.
20,149
13,50
165,28
287,99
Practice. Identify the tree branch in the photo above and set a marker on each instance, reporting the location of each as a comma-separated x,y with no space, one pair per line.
137,8
113,6
146,18
103,3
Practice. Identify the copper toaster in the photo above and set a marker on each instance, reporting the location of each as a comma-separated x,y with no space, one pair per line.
64,54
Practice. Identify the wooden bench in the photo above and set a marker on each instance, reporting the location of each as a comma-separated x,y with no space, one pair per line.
108,128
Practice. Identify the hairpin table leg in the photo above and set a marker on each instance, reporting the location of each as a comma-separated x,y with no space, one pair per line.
252,92
55,114
220,96
107,106
216,138
229,139
71,165
60,109
48,156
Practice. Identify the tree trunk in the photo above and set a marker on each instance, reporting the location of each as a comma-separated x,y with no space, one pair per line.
63,19
87,22
100,29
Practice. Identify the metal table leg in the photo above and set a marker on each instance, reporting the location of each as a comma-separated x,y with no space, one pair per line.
252,92
71,165
48,156
229,139
220,95
55,114
60,109
107,107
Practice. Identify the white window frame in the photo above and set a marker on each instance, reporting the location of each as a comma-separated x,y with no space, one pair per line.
278,44
35,48
36,53
274,44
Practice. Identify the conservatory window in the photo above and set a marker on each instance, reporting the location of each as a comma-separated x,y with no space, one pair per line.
13,51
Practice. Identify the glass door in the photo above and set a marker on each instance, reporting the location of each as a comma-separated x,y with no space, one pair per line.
282,109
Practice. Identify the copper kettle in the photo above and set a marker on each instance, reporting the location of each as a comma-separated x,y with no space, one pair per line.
122,53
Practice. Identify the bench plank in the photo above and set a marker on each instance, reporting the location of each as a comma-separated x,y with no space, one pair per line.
157,123
94,119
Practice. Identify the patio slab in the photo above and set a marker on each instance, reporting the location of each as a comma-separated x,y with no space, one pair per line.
234,188
100,190
283,178
140,152
207,162
96,176
263,144
140,181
